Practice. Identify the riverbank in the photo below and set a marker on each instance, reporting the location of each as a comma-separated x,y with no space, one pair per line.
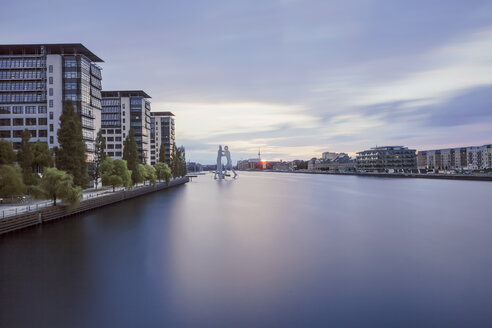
51,213
393,175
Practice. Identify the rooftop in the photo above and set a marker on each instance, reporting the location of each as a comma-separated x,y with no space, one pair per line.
125,93
157,113
49,49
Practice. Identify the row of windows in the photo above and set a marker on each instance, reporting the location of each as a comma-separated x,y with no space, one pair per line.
96,92
105,117
22,63
71,75
88,134
20,109
22,75
87,122
96,83
87,110
113,146
110,102
110,123
112,139
18,134
95,102
96,71
20,121
110,109
22,97
18,86
69,62
110,131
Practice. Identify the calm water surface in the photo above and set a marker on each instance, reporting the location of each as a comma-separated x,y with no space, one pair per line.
265,250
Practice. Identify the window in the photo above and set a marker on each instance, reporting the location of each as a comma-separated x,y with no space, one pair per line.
4,121
123,120
17,133
51,80
42,121
30,121
51,139
17,110
51,127
51,115
110,153
51,68
43,133
110,146
51,91
110,131
18,121
33,133
123,108
4,109
4,134
117,146
124,128
110,139
51,103
118,153
41,109
30,109
117,138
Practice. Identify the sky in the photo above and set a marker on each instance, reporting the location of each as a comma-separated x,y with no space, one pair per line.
292,78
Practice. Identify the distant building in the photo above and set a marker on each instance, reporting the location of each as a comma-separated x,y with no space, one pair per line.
329,156
334,162
122,111
161,133
249,164
35,79
386,159
463,158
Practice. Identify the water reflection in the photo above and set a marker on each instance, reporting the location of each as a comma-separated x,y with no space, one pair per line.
262,250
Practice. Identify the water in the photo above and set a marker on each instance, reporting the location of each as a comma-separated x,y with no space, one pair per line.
266,250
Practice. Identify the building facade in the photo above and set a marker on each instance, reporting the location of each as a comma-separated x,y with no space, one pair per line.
387,159
122,111
336,162
35,79
161,133
463,158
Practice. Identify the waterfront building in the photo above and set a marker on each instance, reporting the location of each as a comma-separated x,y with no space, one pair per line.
35,79
339,163
122,111
386,159
329,155
464,158
161,133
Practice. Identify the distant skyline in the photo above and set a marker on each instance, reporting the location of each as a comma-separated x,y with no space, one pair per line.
294,78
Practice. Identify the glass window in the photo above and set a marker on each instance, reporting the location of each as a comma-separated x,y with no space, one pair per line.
51,139
42,109
51,115
51,68
51,103
51,80
43,133
51,127
51,91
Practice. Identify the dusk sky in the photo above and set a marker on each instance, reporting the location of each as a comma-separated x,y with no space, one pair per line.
294,78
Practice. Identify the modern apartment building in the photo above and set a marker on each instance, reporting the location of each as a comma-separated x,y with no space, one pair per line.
385,159
463,158
162,133
122,111
35,79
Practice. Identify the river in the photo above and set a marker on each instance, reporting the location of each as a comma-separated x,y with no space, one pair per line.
265,250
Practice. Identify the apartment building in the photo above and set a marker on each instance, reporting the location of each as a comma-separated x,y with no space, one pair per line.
123,110
35,79
161,133
463,158
386,159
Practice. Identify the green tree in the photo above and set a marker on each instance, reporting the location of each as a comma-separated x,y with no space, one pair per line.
7,154
163,172
150,174
99,158
130,155
140,174
162,154
42,156
56,184
71,155
11,183
115,173
25,158
178,166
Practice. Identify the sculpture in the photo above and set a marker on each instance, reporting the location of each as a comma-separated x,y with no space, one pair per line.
228,166
220,169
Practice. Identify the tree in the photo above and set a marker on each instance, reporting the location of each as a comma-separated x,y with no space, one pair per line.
140,174
178,165
99,158
163,172
130,155
71,154
7,154
162,154
42,156
25,158
115,173
150,174
11,183
56,184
